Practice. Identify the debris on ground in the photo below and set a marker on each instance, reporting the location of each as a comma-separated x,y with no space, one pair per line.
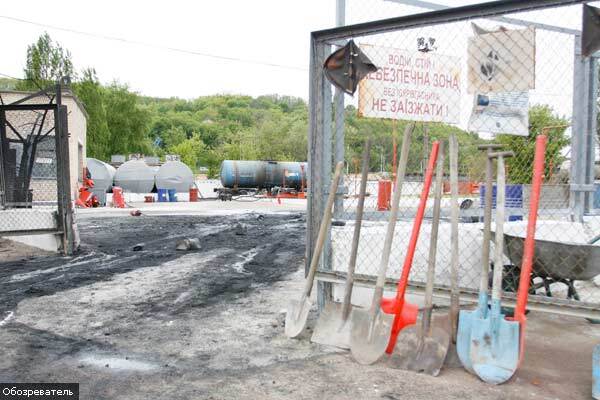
188,244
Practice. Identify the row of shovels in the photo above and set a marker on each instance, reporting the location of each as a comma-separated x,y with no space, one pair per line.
483,340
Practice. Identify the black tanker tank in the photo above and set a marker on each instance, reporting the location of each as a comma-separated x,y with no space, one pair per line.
243,174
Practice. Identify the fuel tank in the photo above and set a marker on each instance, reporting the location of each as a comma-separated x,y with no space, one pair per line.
262,174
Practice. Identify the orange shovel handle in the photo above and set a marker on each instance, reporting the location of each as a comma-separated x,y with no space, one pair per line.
403,318
529,250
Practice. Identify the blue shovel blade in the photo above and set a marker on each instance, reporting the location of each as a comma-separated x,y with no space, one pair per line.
463,338
494,348
465,328
596,373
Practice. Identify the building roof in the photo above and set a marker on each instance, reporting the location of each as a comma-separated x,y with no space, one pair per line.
66,93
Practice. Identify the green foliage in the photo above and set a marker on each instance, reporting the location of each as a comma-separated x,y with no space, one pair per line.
126,120
189,150
47,61
8,83
91,94
519,168
229,127
382,133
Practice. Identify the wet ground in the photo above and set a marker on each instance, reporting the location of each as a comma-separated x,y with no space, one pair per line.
130,317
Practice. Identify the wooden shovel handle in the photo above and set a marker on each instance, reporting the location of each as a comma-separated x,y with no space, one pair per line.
323,230
435,224
357,225
389,236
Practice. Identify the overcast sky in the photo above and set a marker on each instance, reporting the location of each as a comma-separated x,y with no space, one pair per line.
265,31
270,31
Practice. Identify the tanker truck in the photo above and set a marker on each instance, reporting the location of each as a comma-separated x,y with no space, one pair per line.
243,177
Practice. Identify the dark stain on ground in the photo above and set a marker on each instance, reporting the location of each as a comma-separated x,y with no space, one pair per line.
107,249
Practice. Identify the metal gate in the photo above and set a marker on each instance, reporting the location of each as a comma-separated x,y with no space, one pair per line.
35,189
556,86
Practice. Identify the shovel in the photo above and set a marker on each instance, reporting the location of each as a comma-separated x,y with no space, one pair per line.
297,311
333,325
424,349
496,363
371,329
405,314
465,320
451,324
490,334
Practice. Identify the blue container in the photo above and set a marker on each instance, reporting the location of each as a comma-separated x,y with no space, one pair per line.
514,201
514,196
597,196
172,195
162,195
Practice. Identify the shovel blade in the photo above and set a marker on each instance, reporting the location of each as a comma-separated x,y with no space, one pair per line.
296,317
419,352
596,373
494,352
463,338
331,328
369,335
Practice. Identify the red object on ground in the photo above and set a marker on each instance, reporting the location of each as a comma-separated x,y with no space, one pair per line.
406,313
118,199
384,195
86,198
529,246
149,199
193,194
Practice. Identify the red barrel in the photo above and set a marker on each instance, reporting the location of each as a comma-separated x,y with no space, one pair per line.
384,195
118,199
193,194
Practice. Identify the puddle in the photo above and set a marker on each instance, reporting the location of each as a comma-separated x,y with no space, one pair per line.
246,256
117,363
9,315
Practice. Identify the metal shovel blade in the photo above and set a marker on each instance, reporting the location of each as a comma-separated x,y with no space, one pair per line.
296,317
331,328
369,337
421,351
495,348
596,373
463,338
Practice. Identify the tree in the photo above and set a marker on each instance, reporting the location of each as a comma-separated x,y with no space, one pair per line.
91,94
47,61
520,167
127,121
189,150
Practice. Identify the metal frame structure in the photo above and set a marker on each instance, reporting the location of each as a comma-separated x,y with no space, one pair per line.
322,140
64,213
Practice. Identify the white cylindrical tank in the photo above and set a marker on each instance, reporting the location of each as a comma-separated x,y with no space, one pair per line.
135,176
102,174
175,175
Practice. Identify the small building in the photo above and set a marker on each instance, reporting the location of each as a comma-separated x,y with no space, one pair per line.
44,177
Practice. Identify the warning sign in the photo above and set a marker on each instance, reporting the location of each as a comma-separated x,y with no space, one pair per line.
502,61
411,86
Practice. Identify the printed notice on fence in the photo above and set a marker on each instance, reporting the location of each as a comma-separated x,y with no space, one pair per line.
411,85
501,113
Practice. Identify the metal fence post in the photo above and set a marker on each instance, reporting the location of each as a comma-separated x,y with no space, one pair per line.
591,131
338,100
583,129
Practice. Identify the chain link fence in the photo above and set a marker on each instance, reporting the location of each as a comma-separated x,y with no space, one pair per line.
35,189
486,75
